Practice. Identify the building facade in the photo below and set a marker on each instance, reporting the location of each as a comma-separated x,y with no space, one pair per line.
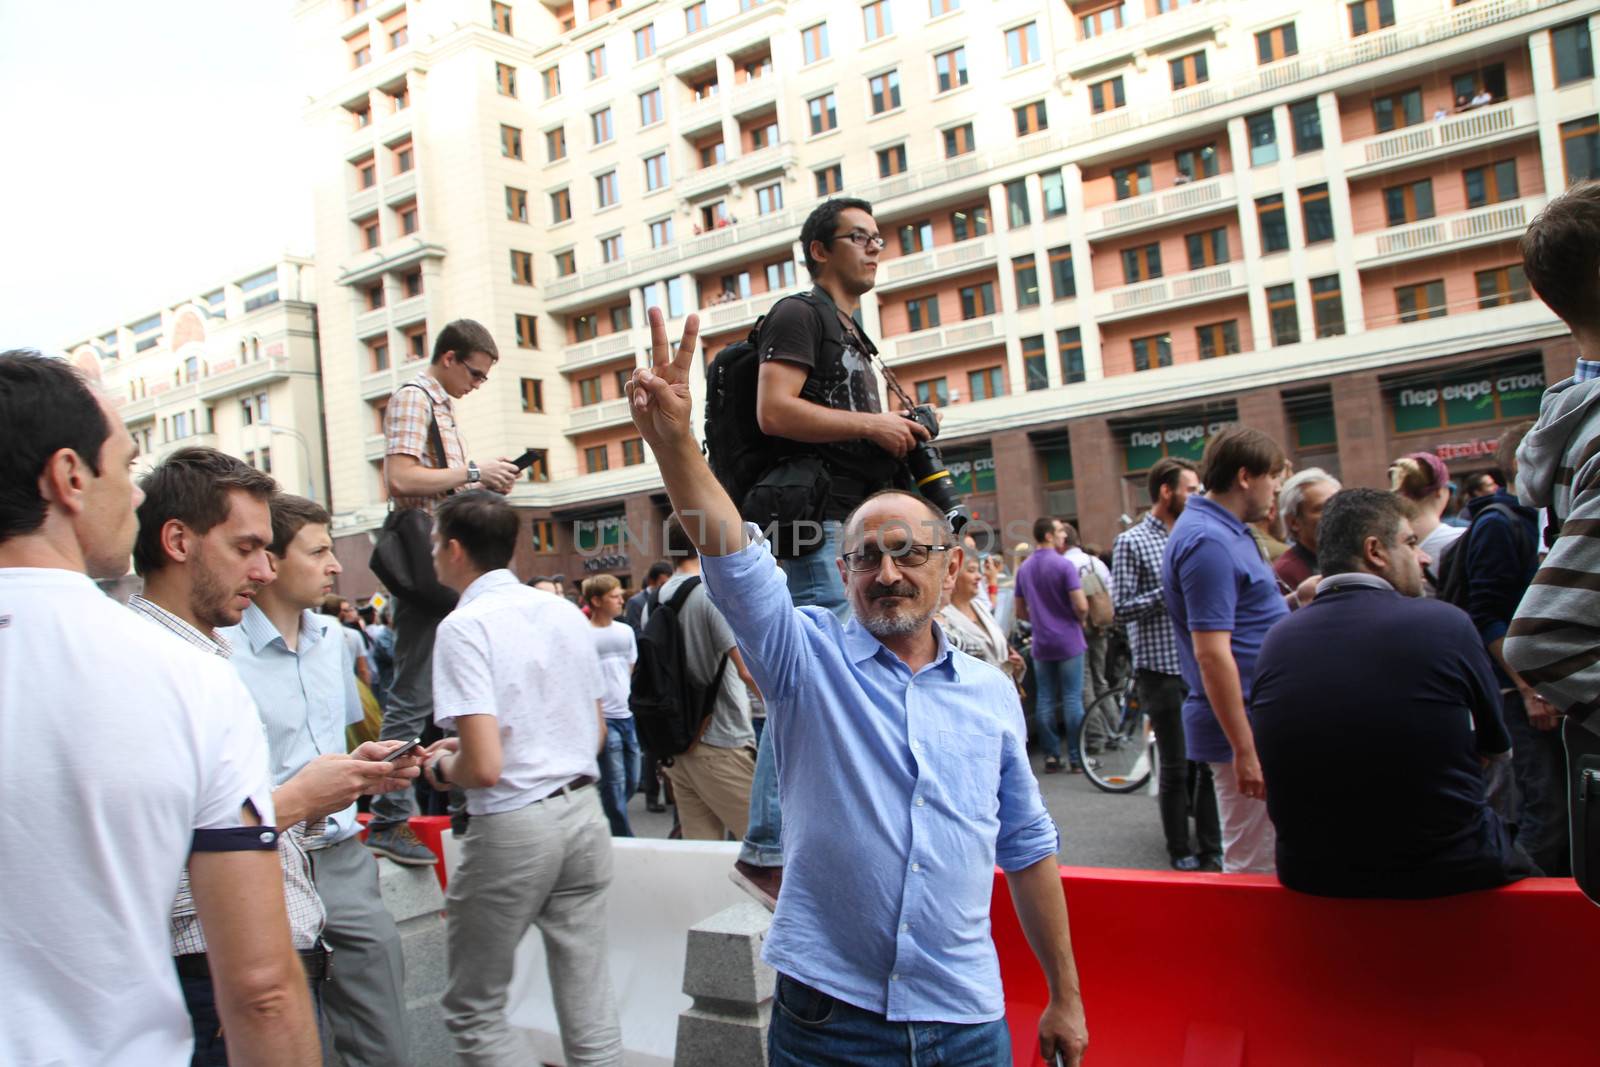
1112,228
235,367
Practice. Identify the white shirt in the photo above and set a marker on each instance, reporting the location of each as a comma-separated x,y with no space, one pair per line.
122,749
526,658
1440,538
1081,559
619,651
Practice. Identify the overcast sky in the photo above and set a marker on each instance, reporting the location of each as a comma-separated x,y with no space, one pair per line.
151,150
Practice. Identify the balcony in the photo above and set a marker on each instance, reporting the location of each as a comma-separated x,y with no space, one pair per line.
700,115
1158,209
372,447
244,376
602,349
1496,222
1164,294
738,170
599,416
905,271
1415,144
362,204
400,187
1149,34
742,314
947,340
380,383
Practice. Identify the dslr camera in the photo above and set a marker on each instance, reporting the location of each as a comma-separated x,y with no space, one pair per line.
928,472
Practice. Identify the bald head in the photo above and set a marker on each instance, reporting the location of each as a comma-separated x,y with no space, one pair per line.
902,508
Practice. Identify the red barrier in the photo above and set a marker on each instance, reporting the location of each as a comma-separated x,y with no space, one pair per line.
1236,971
430,830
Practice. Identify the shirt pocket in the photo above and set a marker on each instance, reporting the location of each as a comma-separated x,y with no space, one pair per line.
970,765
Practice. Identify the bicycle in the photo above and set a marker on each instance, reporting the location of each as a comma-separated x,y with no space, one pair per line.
1117,742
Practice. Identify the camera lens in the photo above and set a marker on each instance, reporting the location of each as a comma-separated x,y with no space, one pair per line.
933,481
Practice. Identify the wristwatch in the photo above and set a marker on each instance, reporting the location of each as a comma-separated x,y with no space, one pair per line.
472,472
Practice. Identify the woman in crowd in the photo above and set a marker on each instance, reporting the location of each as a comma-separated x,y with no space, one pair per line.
970,627
1421,478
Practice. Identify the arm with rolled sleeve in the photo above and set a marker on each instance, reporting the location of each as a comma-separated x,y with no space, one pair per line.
752,594
1027,832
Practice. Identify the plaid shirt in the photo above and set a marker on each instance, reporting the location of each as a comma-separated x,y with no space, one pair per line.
1587,370
405,432
306,914
1136,578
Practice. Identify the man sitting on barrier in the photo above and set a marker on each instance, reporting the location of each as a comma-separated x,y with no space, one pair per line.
902,771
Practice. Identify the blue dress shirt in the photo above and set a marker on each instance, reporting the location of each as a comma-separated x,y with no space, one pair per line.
900,793
306,698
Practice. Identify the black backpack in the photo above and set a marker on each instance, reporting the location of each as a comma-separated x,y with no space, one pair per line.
669,710
1452,568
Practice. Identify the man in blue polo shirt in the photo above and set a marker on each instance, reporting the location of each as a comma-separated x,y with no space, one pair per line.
903,773
1223,598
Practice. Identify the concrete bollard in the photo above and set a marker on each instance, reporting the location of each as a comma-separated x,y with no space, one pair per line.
732,991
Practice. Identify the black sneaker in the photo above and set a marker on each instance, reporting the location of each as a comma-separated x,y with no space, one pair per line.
400,844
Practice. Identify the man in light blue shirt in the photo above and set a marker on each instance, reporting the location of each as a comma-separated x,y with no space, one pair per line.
903,775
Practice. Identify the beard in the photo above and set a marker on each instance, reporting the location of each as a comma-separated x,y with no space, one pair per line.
896,621
211,600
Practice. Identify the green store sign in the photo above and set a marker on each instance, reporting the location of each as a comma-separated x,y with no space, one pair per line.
1186,440
972,471
593,534
1461,400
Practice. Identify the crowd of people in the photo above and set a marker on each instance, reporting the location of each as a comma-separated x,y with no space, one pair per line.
1349,686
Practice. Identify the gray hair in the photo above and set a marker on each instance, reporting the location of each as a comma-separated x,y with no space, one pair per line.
1293,493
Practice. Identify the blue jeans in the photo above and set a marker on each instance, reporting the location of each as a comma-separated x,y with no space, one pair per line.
1060,685
619,773
811,1029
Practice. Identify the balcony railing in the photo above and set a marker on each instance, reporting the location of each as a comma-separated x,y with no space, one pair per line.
738,313
1180,289
739,169
1494,222
1483,126
258,372
1152,209
700,115
944,340
924,266
598,416
601,349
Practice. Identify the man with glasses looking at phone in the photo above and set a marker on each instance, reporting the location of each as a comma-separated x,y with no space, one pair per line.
903,770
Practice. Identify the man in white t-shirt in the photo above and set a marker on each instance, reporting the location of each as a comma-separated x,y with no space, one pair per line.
619,651
515,675
129,755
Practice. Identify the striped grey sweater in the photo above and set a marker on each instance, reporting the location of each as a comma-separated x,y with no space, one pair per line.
1554,640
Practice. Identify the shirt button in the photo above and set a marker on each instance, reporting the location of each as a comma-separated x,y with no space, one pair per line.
904,927
894,978
919,802
916,866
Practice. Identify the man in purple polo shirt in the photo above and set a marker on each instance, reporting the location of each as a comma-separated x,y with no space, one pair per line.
1222,598
1050,595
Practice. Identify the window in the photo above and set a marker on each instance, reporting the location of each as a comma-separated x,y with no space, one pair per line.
605,189
958,140
650,107
986,383
694,17
620,377
1327,306
754,68
366,173
589,391
373,296
875,20
1409,202
532,396
1141,264
814,43
1031,118
521,267
950,69
655,172
1153,351
1580,148
1263,134
555,144
595,459
566,263
661,233
1276,43
712,154
378,353
1035,369
705,89
1369,15
780,275
969,222
1473,84
916,237
585,327
668,296
611,248
416,342
977,300
1104,20
543,531
1022,45
560,205
505,79
764,135
942,7
501,16
633,452
411,283
1217,339
1274,225
829,180
1188,70
1502,285
1132,180
600,126
1574,52
935,391
1422,301
824,113
891,161
551,78
371,235
1491,184
539,471
1305,125
1397,110
596,58
644,42
1017,203
884,91
1283,315
360,114
1316,211
405,158
1025,271
769,198
621,318
527,331
1195,164
360,51
714,216
510,142
1208,248
516,204
1106,95
1069,345
922,313
1062,284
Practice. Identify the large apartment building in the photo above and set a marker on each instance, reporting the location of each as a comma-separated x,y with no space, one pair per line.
234,367
1112,227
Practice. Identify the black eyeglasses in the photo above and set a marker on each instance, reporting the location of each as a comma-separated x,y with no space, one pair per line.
479,376
871,557
862,238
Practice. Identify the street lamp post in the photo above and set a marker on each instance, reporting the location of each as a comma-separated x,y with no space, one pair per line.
305,452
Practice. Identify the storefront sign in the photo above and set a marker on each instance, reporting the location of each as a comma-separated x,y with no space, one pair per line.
1507,392
605,563
972,470
1185,441
1482,448
594,535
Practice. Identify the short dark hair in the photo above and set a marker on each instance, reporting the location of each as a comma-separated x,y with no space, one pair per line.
484,524
290,515
1166,474
1235,448
1350,517
659,569
464,337
822,222
192,486
1561,255
1071,532
1043,528
680,545
332,604
1505,453
45,406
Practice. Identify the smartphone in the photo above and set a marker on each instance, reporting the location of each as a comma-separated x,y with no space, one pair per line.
524,461
412,749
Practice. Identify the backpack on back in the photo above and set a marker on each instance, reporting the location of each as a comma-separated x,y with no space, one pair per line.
1452,586
1101,611
669,710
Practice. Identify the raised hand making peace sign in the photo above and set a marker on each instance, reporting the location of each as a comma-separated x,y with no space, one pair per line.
658,395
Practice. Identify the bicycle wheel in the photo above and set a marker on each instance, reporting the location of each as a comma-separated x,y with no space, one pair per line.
1116,742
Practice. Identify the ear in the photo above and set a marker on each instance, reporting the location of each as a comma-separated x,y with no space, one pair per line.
1375,554
958,559
177,541
64,479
